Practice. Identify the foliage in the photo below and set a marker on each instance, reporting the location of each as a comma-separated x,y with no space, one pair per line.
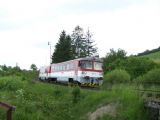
90,48
129,105
82,43
114,59
153,56
33,67
41,101
76,94
75,46
63,49
10,83
8,70
137,66
151,77
117,76
147,52
78,42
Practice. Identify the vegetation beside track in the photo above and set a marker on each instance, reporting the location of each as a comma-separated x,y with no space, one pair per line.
36,100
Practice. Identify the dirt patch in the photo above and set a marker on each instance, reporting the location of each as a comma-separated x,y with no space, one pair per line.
109,109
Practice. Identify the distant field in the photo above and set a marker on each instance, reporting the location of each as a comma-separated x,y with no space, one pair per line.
154,56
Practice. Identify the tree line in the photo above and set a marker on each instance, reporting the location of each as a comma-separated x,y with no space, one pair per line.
76,45
149,52
8,70
121,68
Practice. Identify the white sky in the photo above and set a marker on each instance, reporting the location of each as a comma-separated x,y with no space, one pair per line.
26,26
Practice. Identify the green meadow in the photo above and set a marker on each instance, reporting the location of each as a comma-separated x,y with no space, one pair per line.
36,100
154,56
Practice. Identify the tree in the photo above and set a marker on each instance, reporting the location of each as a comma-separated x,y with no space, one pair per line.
76,46
33,67
78,42
114,59
63,49
137,66
83,44
90,48
4,67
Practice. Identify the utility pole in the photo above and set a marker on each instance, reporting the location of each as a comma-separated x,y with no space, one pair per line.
49,43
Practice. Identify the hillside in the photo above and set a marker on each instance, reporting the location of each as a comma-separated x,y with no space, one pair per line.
154,56
147,52
36,100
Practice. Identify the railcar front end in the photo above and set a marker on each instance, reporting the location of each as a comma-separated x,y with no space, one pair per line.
90,72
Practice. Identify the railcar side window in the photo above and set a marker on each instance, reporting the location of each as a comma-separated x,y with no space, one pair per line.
56,68
67,66
86,64
63,67
71,66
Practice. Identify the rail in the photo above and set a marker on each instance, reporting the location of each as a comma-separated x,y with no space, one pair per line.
9,108
152,102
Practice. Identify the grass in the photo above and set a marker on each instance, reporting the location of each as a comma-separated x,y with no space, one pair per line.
42,101
154,56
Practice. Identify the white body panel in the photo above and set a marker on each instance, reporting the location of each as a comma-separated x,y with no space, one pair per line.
63,75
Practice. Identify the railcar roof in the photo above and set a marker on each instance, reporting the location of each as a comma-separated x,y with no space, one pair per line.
86,58
91,58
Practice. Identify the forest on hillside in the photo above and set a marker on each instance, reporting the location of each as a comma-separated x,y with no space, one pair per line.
149,51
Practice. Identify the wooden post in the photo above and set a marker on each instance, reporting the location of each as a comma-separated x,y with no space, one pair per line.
9,108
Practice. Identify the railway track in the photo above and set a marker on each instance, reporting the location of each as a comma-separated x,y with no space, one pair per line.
149,93
73,85
152,102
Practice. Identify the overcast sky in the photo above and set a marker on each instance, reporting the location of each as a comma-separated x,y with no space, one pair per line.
26,26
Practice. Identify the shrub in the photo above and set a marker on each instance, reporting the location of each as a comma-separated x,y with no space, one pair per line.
152,76
114,59
9,83
117,76
76,94
137,66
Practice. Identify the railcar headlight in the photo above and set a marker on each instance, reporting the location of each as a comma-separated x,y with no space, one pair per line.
100,78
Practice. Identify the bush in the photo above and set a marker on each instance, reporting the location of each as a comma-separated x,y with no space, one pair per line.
76,94
152,76
117,76
137,66
114,60
9,83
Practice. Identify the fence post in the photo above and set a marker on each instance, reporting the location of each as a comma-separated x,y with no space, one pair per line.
9,108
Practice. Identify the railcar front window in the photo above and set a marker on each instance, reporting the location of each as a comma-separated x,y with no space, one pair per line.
86,64
97,66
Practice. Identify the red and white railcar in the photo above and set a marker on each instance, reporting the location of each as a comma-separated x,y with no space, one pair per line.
83,71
